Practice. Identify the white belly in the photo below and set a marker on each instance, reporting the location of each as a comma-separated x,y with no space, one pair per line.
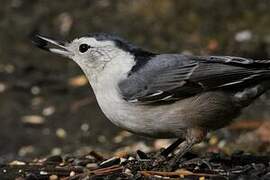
156,121
171,120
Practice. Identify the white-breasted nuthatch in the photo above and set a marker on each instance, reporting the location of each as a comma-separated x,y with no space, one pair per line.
164,95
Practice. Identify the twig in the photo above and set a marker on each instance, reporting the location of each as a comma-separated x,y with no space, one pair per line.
179,173
97,172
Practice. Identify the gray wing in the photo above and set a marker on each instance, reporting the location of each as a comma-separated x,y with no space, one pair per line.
167,78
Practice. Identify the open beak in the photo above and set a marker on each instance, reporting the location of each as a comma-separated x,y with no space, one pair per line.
54,46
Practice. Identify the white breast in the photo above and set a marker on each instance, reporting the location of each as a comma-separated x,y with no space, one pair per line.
105,86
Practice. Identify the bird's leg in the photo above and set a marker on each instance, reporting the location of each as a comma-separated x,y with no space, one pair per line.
193,136
171,148
162,156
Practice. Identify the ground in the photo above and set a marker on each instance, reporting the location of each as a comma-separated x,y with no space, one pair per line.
140,166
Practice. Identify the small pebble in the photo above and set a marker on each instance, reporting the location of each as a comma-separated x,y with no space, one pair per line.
92,166
48,111
85,127
17,163
53,177
35,90
61,133
43,173
33,120
72,173
2,87
56,151
213,140
243,36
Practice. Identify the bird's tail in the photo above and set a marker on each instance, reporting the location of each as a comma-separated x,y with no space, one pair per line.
248,95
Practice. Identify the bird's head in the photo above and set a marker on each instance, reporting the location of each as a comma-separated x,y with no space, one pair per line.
93,50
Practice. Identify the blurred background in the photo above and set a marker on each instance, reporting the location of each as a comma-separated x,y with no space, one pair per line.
46,104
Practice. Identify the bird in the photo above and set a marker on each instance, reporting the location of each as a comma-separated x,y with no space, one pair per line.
164,95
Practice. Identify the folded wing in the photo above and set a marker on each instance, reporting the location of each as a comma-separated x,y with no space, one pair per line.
168,78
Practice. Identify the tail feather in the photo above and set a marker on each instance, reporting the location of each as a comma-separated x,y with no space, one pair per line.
248,95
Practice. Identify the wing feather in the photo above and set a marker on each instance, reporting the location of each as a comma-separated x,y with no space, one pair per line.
174,77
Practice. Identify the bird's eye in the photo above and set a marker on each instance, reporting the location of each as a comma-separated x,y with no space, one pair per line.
84,47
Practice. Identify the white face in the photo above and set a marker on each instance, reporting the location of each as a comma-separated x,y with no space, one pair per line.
100,60
85,51
92,52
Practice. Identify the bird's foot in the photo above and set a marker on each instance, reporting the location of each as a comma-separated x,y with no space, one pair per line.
193,136
162,157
